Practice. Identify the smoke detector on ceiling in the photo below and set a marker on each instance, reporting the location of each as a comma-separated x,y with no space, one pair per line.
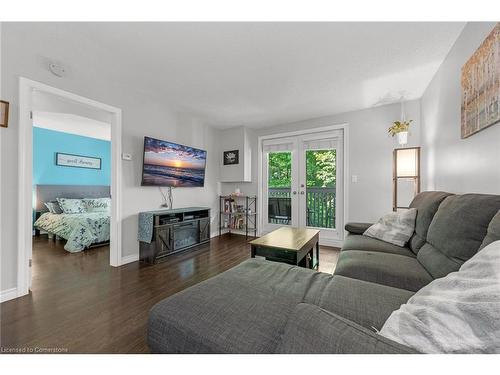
57,70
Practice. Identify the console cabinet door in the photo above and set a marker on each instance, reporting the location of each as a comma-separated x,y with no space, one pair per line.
204,229
164,240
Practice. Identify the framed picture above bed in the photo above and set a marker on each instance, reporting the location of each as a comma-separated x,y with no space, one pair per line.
77,161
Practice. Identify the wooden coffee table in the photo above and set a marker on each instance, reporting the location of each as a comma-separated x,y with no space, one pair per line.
289,245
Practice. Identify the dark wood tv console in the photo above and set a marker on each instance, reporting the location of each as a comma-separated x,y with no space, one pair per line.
174,231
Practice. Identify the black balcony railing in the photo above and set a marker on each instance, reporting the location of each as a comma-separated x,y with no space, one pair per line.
320,206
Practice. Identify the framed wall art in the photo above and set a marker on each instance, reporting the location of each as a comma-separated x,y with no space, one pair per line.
77,161
4,114
231,157
481,86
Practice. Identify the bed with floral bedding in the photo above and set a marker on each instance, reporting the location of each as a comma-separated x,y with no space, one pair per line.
79,229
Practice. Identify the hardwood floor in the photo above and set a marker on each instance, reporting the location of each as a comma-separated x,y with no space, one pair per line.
80,304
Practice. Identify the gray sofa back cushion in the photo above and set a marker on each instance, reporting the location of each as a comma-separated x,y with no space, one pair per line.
456,232
427,204
493,233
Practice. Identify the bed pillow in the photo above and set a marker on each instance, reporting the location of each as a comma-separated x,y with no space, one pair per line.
72,206
395,228
459,313
98,204
53,207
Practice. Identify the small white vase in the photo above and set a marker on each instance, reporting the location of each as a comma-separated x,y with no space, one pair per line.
403,138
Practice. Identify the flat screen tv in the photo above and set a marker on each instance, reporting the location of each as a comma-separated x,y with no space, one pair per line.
171,164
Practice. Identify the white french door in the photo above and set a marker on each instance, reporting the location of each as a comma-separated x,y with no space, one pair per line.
302,183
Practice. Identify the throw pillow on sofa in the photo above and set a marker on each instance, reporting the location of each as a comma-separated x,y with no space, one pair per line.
459,313
395,227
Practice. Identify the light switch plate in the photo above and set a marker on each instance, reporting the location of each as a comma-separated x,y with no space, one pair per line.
354,178
126,156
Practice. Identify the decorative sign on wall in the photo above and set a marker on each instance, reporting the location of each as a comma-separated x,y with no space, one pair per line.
4,114
77,161
481,86
231,157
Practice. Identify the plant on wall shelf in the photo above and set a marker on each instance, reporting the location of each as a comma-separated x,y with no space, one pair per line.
401,129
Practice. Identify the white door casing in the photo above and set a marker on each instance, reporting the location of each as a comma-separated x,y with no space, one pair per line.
25,179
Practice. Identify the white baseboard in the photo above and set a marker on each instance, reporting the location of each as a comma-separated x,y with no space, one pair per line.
8,294
129,259
241,232
332,243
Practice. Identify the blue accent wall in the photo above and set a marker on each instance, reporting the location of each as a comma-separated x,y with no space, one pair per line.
45,171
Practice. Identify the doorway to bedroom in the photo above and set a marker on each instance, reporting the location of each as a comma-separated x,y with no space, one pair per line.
70,185
71,178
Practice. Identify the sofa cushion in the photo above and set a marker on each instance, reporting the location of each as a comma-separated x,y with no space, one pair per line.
456,232
243,310
311,329
357,228
394,227
360,242
427,204
394,270
493,233
367,304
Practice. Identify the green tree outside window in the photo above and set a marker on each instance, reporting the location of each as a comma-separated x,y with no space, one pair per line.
320,169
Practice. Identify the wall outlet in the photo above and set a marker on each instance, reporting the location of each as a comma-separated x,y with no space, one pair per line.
354,178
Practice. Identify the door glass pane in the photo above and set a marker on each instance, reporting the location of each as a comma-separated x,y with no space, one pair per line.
279,201
321,175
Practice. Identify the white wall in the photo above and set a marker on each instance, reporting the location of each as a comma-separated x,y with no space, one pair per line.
449,162
25,48
370,155
236,139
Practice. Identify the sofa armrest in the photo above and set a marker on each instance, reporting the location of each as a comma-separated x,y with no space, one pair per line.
311,329
357,228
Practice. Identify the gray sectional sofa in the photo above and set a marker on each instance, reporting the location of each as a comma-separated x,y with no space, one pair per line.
267,307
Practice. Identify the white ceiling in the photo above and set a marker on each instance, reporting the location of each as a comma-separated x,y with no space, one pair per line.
260,74
60,114
73,124
44,102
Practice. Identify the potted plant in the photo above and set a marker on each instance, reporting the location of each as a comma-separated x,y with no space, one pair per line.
401,129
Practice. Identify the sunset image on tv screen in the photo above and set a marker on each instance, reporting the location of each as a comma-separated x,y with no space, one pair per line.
171,164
